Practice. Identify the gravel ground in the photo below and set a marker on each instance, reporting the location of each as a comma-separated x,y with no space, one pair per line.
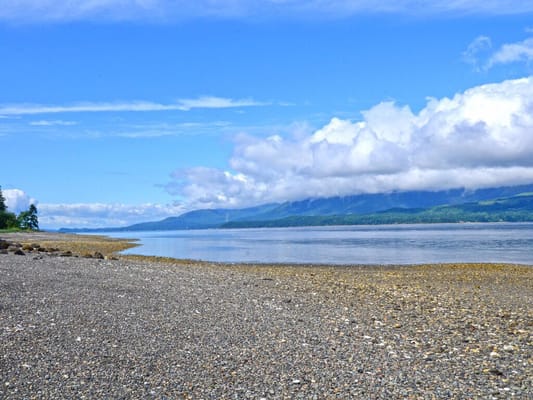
75,327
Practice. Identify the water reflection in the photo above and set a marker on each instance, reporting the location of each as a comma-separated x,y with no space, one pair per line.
384,244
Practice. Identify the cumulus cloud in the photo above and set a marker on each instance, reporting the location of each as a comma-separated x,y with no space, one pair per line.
165,10
479,138
17,200
96,215
135,106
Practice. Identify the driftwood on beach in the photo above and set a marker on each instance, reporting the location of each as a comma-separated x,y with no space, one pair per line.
79,327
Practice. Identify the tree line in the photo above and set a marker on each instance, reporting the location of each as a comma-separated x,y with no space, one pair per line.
27,220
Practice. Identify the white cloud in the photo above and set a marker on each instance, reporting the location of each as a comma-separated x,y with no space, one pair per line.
90,215
17,200
477,50
479,138
513,52
96,215
171,10
27,109
167,129
217,102
417,7
136,106
481,56
53,123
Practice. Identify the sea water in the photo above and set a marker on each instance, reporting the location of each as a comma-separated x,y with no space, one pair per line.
379,244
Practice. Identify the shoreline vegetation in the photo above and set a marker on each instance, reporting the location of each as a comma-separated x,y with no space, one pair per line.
79,320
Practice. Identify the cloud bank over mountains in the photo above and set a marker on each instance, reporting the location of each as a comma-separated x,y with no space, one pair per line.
88,215
172,10
97,215
480,138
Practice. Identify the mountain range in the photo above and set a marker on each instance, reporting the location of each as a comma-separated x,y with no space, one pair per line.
513,203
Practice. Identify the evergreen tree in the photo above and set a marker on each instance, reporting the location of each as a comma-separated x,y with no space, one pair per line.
28,219
3,207
7,219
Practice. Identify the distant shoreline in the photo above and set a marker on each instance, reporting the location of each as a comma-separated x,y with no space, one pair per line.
95,231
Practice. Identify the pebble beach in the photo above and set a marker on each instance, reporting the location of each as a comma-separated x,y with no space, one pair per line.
77,320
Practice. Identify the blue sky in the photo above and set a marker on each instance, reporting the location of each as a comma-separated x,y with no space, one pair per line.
120,111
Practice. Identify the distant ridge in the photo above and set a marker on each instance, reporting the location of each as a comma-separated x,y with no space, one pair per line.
405,203
517,208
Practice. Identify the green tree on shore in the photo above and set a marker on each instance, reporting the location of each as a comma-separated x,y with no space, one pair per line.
3,207
7,219
25,220
28,219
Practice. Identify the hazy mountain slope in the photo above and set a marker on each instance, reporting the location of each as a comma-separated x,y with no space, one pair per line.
362,204
518,208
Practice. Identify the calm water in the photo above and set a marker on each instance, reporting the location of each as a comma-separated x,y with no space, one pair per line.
384,244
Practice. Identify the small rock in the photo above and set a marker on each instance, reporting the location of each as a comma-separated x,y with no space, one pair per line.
67,253
495,371
19,252
98,255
